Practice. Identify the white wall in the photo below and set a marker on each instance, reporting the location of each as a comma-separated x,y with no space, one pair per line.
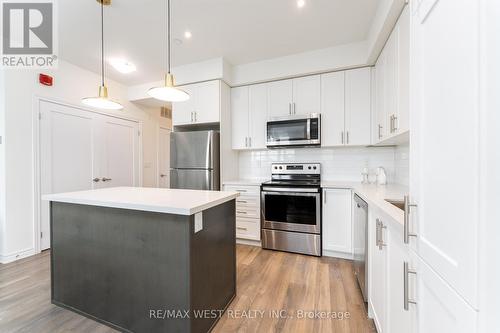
2,161
344,164
402,164
21,86
489,231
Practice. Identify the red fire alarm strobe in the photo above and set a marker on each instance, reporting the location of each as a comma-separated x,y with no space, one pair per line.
46,80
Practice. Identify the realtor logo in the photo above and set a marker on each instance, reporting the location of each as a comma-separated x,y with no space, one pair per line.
28,34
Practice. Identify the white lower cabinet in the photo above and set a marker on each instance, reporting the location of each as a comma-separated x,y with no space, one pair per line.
337,222
387,257
438,307
247,211
377,274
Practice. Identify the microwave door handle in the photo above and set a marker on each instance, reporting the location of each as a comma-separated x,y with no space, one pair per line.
309,129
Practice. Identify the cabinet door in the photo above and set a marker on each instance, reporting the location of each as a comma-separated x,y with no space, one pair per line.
391,80
377,261
258,115
381,128
439,308
402,121
399,320
182,111
280,98
239,117
307,95
358,106
337,220
445,140
333,109
207,102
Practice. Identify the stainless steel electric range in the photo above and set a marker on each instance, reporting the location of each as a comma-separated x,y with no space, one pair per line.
291,209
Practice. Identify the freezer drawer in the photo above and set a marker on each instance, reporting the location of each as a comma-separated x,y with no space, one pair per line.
194,179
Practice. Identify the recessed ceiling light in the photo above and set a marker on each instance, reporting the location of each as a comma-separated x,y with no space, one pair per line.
123,66
188,34
301,3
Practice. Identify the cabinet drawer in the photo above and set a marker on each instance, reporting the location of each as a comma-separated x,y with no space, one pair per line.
247,201
248,212
244,189
248,229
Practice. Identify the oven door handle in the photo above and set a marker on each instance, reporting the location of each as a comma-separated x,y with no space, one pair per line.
289,190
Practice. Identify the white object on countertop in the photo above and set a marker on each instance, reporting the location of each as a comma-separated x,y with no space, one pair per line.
161,200
365,173
381,176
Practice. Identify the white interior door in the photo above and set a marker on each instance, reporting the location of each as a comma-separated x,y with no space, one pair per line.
79,149
66,155
118,144
445,140
164,157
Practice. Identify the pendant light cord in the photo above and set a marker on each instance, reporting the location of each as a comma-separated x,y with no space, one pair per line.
102,42
168,36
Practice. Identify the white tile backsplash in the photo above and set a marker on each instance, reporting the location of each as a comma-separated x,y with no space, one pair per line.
402,164
344,164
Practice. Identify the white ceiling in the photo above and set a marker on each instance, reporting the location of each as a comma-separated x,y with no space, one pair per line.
241,31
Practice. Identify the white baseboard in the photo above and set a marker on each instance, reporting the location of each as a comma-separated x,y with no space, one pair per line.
335,254
248,242
5,259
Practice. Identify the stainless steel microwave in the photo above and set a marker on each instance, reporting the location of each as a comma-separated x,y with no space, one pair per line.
295,131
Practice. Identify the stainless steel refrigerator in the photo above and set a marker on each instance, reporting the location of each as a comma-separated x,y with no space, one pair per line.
195,160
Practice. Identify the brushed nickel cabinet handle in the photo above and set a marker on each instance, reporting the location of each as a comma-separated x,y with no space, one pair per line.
96,180
379,131
342,137
241,228
406,225
407,300
104,179
395,121
381,243
240,212
347,135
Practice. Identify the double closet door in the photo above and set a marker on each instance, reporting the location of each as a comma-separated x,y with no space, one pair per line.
82,150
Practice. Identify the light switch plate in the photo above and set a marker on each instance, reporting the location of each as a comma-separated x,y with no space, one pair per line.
198,222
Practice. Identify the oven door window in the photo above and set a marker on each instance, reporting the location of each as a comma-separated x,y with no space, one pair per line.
290,130
290,209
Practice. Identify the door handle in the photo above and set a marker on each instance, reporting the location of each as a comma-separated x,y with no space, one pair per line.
290,108
380,131
246,142
104,179
240,228
96,180
293,108
250,142
406,225
407,300
162,175
342,137
347,136
395,123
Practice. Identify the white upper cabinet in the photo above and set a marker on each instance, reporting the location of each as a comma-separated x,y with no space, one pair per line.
258,115
358,107
392,83
306,95
445,143
239,117
299,96
249,116
333,108
202,107
207,99
346,108
337,221
280,98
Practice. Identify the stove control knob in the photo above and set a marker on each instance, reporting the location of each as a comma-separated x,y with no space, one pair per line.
309,168
314,168
281,168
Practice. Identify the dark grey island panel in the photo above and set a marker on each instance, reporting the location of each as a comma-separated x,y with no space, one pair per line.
128,268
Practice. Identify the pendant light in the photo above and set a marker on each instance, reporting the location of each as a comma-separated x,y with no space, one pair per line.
168,92
102,101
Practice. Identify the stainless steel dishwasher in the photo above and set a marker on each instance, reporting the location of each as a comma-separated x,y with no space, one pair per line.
360,220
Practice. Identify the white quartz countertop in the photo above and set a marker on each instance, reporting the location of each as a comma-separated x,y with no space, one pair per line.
245,182
376,195
161,200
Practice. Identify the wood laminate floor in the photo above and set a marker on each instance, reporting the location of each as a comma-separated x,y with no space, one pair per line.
277,292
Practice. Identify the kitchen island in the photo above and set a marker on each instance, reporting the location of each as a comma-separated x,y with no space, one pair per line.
144,259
